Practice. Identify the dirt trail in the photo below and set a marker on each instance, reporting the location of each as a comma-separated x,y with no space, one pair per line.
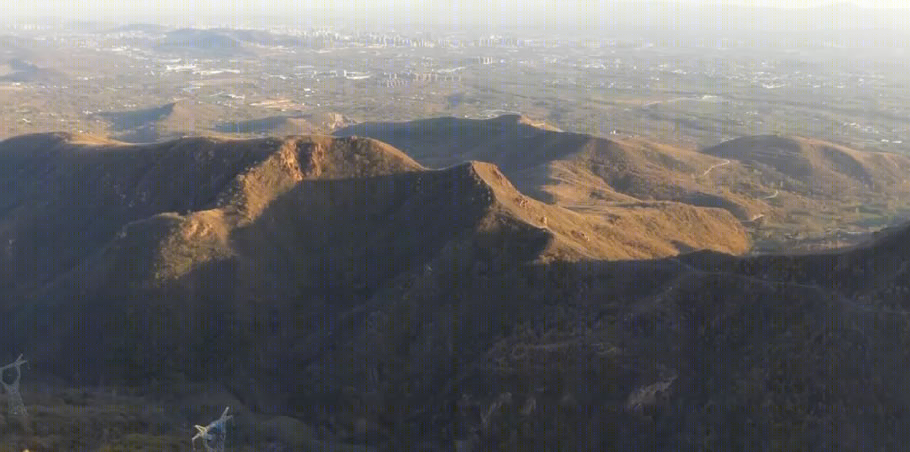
776,192
716,165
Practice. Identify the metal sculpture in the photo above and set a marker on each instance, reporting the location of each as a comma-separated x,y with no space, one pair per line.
213,436
13,396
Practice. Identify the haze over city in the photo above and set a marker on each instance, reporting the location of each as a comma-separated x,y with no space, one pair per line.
583,16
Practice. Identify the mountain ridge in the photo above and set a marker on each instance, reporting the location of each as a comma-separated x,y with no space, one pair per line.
339,284
590,174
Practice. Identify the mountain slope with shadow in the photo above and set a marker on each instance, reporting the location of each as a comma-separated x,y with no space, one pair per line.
562,167
704,351
587,174
336,288
80,212
173,120
304,124
816,168
21,71
781,188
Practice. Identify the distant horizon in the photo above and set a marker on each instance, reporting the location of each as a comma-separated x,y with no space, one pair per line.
94,9
545,16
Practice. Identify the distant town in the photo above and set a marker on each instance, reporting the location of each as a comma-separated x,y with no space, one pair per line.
698,91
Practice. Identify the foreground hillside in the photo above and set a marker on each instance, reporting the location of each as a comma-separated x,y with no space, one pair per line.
786,190
339,296
67,197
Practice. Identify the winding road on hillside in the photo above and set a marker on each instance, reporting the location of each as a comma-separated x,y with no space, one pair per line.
716,165
776,192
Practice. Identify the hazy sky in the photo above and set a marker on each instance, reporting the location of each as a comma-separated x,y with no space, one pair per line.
488,16
86,8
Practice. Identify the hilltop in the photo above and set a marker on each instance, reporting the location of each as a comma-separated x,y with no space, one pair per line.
817,168
172,120
22,71
200,42
304,124
783,189
259,37
567,168
809,186
147,28
570,169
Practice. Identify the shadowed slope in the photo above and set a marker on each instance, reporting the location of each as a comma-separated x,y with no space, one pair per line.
551,164
338,282
315,123
67,195
170,213
783,189
22,71
691,358
172,120
590,175
816,168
